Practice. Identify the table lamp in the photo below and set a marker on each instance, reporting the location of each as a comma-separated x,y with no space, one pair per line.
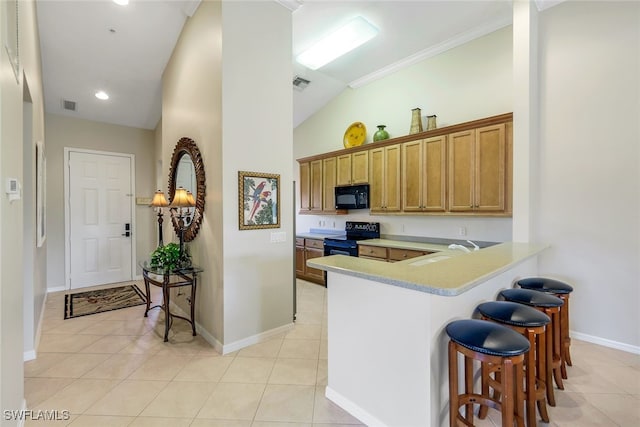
180,201
159,202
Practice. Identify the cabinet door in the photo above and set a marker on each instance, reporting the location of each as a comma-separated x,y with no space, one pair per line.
300,261
329,184
384,179
489,177
392,178
314,273
376,179
315,186
412,176
343,170
461,170
305,181
360,167
435,178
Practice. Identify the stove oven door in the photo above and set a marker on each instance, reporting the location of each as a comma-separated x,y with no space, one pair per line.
340,247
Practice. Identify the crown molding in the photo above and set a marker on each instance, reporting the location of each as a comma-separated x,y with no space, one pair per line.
431,51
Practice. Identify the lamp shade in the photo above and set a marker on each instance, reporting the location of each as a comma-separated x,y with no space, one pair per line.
159,200
192,201
181,199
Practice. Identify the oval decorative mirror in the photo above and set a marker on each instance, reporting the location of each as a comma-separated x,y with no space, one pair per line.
187,171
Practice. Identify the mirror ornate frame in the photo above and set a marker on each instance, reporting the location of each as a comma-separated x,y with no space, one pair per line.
186,146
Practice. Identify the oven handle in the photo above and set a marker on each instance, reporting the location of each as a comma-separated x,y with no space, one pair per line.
338,252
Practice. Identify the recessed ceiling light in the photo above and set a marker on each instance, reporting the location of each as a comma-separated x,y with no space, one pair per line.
102,95
355,33
121,2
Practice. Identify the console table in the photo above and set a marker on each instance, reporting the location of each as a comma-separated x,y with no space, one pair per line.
168,279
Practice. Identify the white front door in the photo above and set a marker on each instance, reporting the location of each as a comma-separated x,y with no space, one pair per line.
100,227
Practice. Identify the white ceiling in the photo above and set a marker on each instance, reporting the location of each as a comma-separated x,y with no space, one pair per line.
80,53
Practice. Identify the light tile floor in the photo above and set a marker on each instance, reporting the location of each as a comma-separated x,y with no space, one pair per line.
113,369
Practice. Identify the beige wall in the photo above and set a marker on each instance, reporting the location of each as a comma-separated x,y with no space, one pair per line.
192,107
588,206
61,132
257,123
246,289
465,83
13,216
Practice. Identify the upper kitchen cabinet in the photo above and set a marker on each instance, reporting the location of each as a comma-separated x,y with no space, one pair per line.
353,168
458,170
384,182
328,185
424,175
311,187
478,170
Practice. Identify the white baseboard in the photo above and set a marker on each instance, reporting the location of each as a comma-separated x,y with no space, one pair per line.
364,416
31,354
605,342
56,289
234,346
255,339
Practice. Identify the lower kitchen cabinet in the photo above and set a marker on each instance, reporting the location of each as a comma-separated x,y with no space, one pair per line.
307,249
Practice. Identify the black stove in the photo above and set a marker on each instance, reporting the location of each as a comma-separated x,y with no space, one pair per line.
347,245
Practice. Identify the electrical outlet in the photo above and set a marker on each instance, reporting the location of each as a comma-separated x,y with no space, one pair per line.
402,228
462,231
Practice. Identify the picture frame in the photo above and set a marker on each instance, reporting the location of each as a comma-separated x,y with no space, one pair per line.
258,200
41,194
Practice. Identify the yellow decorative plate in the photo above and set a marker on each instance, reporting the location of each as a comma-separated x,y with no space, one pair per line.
355,135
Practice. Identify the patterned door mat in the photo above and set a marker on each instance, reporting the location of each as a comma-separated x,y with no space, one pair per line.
101,300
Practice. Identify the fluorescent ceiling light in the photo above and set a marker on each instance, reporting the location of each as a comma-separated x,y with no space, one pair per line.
102,95
121,2
355,33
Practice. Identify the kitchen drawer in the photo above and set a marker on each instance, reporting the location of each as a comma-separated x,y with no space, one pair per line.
372,251
402,254
299,241
314,243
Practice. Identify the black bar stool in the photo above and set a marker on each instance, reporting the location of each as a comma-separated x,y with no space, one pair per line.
550,306
493,345
562,291
532,324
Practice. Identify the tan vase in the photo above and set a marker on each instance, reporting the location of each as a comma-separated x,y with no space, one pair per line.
431,122
416,121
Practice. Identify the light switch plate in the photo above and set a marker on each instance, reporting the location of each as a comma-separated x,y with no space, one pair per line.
278,237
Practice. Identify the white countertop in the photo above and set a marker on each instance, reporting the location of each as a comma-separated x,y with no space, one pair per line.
450,276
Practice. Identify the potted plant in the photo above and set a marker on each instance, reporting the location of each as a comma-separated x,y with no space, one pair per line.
168,257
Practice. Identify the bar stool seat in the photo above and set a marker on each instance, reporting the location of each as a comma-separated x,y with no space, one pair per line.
561,290
531,323
493,345
549,305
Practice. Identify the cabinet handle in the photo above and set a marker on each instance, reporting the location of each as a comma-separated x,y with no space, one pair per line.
404,255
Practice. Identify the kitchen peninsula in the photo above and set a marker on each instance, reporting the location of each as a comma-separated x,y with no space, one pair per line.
387,350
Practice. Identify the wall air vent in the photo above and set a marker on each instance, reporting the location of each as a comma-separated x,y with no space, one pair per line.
69,105
300,84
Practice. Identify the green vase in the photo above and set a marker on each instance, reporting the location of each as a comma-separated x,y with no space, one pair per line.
381,134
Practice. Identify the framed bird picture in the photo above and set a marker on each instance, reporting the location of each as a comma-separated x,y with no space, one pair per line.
258,200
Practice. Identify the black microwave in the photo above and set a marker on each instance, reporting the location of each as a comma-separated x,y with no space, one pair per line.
352,197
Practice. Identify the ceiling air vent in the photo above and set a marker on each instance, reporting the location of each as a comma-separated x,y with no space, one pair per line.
300,84
69,105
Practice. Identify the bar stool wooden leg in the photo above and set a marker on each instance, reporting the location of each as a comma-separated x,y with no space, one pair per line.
564,334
